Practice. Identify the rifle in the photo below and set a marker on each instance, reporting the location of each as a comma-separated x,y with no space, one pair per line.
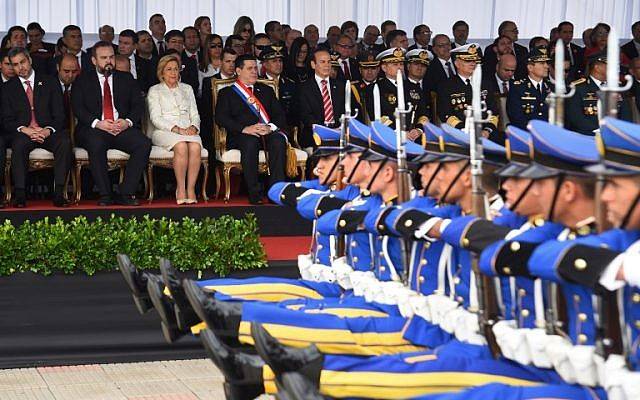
344,134
556,311
487,307
404,175
611,338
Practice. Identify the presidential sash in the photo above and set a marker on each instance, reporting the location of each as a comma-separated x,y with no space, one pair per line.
252,102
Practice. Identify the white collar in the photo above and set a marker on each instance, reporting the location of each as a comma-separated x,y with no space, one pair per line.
417,82
223,76
392,81
464,80
598,82
271,77
189,54
535,83
319,80
31,78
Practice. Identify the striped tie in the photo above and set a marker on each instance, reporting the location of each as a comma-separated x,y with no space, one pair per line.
326,102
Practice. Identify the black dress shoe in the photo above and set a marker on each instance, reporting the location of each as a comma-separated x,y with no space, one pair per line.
185,316
221,316
60,201
105,201
164,307
137,283
242,372
297,386
255,199
282,358
126,200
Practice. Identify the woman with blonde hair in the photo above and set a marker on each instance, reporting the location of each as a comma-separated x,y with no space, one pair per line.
176,124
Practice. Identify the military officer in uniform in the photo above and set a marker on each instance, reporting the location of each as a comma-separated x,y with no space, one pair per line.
418,61
582,109
369,70
527,99
454,94
271,59
391,61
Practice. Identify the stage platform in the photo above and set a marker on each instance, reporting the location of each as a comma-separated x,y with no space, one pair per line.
80,319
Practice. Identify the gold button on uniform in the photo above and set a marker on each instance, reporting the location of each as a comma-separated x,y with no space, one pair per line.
319,212
524,313
342,223
582,317
576,298
456,280
408,223
582,338
506,270
382,269
282,196
354,243
421,279
580,264
637,323
636,298
571,236
381,227
515,246
522,292
460,299
355,259
423,261
465,242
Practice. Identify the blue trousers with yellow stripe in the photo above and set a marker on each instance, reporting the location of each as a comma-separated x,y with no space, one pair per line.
269,289
499,391
448,369
348,325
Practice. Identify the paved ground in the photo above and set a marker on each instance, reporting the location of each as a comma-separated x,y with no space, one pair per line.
162,380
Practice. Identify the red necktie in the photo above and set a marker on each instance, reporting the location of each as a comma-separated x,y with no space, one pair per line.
347,72
250,90
263,70
326,103
194,57
107,103
33,123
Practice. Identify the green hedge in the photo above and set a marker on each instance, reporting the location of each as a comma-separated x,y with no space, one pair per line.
216,245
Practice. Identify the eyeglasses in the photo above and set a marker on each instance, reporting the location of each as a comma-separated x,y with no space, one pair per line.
215,46
247,30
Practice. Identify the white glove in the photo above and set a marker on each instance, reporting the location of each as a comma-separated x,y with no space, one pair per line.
420,307
518,343
468,330
537,341
359,281
451,319
392,291
319,272
631,385
405,304
304,262
582,361
558,350
503,330
343,272
612,374
439,306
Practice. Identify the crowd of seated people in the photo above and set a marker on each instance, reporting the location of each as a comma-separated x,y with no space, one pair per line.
154,89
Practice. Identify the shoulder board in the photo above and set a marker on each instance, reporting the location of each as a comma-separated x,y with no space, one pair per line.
579,81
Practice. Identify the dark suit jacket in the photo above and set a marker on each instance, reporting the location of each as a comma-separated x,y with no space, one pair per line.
354,68
47,100
205,108
435,76
577,52
154,51
145,73
86,99
629,49
189,73
233,114
311,109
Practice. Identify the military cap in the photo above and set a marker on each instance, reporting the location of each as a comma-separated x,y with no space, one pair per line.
383,145
367,60
431,144
456,145
394,54
600,56
518,145
358,138
618,144
335,57
538,54
327,140
271,52
423,56
468,52
557,150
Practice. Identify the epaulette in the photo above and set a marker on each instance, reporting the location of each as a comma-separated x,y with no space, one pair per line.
579,81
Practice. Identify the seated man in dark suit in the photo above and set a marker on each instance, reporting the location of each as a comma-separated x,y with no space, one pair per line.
252,117
632,48
108,105
320,100
33,112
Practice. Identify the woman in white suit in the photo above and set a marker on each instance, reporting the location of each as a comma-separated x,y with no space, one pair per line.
174,115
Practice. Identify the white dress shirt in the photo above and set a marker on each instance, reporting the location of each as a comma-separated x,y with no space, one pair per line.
500,87
444,66
132,63
319,83
116,115
32,82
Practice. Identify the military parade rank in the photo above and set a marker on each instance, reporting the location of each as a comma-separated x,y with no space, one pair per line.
454,94
527,99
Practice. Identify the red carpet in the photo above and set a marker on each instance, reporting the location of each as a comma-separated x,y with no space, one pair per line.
45,205
285,248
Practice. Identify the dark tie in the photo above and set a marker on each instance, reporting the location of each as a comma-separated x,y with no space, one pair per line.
107,103
449,69
468,82
67,105
161,48
505,88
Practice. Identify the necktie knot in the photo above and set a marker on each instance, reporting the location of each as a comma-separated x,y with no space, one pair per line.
468,81
27,82
324,82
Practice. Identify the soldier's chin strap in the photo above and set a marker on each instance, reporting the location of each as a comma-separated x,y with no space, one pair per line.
375,175
515,204
325,182
632,207
353,171
425,190
559,181
453,181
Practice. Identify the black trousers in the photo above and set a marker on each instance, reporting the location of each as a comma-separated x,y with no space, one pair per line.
249,146
5,143
21,145
132,141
